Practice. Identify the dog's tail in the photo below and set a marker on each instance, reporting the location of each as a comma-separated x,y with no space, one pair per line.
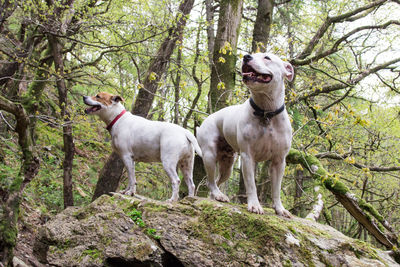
193,140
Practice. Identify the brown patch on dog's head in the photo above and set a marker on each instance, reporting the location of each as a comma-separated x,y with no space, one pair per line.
106,98
99,101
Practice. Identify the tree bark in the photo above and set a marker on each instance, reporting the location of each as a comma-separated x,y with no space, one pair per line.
297,210
210,29
10,199
159,64
177,83
264,184
111,172
357,207
224,54
109,176
317,209
68,140
262,26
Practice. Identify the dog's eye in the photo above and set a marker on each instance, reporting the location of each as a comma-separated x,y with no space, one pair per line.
97,96
267,58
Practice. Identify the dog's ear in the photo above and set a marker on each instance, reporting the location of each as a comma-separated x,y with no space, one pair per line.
289,71
117,98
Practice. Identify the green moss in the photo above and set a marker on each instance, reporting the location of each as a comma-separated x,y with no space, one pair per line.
306,256
154,207
227,247
139,250
361,249
287,263
368,207
94,254
244,231
122,202
16,184
9,233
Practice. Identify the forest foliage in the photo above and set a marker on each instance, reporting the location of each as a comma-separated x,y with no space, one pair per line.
343,103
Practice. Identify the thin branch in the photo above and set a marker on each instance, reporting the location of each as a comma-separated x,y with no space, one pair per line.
8,124
335,47
350,82
335,156
332,20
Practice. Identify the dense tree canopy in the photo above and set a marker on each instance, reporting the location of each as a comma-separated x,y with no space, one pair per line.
343,102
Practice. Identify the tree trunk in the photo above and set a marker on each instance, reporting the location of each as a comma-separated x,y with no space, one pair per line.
10,199
224,55
264,184
262,26
68,140
358,208
177,83
297,210
242,197
109,176
159,64
317,209
113,167
210,29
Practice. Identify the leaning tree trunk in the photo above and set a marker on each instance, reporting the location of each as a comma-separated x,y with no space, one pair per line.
363,212
111,173
11,198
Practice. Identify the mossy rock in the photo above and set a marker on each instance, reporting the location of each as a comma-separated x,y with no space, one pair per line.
194,232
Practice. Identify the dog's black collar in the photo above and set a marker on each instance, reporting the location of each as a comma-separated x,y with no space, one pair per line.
266,115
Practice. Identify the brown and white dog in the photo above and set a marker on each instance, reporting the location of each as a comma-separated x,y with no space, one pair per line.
137,139
258,130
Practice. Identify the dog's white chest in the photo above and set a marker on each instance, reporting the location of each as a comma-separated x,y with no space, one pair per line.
267,141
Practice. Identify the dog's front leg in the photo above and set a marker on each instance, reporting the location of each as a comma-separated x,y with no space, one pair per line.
130,167
248,165
276,171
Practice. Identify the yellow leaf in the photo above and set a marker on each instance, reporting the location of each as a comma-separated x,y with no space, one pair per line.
152,76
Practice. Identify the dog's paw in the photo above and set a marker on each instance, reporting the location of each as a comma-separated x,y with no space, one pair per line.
171,200
220,197
284,213
255,208
128,192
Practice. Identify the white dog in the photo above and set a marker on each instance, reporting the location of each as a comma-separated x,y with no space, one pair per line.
137,139
258,130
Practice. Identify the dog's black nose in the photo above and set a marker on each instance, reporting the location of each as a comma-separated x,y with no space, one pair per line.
247,58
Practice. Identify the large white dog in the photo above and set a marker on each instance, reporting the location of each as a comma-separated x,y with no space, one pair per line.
258,130
137,139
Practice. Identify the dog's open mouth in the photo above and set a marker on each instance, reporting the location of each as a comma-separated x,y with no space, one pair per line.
92,109
249,74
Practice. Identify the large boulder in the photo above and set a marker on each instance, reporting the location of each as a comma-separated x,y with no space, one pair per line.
126,231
